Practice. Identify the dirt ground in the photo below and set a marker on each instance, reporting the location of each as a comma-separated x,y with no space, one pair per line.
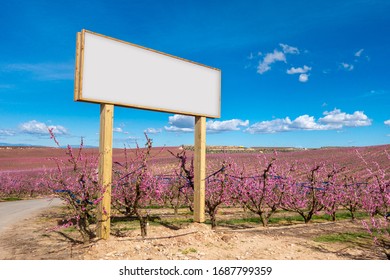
33,239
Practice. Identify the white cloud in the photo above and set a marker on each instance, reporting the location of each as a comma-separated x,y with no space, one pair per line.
269,59
178,129
359,53
39,128
152,130
277,125
289,49
387,122
230,125
7,132
303,78
305,122
298,70
117,129
276,55
332,121
180,123
346,66
337,119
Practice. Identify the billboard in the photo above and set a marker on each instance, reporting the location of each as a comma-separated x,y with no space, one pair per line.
112,71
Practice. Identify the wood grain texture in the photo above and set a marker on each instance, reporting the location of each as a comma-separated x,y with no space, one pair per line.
105,169
199,169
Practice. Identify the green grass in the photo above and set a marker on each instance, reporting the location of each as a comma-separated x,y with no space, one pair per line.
345,215
343,237
340,215
256,220
288,219
11,198
69,229
285,217
253,220
133,224
281,217
177,221
127,228
188,251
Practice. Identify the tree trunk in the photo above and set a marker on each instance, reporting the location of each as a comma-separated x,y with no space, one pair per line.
213,221
212,211
352,215
143,221
263,220
176,210
307,219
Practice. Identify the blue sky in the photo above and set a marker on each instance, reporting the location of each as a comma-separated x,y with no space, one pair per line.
294,73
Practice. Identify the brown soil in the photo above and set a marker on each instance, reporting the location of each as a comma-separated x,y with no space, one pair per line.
32,239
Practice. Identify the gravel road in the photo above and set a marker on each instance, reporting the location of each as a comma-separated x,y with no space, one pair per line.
15,211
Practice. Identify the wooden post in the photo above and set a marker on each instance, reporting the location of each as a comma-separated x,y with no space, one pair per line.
105,169
199,169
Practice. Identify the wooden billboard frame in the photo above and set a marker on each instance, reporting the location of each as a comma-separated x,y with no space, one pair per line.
106,133
80,95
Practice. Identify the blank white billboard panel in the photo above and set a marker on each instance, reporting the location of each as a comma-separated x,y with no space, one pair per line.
116,72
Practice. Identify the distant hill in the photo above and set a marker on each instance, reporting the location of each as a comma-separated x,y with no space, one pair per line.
38,146
242,149
18,145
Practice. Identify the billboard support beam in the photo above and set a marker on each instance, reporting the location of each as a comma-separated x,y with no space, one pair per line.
105,169
199,169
